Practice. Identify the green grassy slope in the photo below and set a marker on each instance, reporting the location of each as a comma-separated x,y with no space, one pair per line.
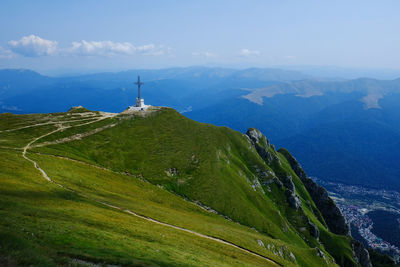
163,166
45,225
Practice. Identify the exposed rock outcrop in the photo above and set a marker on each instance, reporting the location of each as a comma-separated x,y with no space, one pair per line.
331,213
293,199
172,172
261,144
361,254
320,253
263,148
288,183
313,229
268,177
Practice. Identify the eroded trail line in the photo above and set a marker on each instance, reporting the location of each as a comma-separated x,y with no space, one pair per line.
75,137
33,162
60,127
270,261
47,123
221,241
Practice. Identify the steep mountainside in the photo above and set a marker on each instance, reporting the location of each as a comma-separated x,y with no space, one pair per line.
157,188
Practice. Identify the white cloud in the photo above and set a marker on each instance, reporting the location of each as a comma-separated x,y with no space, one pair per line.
96,48
146,48
247,52
204,54
33,46
110,48
152,50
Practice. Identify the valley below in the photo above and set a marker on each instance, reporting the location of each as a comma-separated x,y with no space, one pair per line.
374,215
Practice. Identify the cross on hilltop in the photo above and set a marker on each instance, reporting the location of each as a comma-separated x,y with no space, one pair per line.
138,84
139,106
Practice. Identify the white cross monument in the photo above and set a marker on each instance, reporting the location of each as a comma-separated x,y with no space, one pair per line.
139,100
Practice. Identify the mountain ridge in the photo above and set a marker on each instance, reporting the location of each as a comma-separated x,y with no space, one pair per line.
213,166
373,89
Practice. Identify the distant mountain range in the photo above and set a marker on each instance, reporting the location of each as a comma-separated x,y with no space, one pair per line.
372,90
25,91
341,130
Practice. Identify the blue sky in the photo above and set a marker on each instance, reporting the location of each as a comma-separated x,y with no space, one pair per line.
116,35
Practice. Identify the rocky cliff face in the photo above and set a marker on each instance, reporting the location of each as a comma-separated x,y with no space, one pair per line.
331,214
260,143
268,153
361,254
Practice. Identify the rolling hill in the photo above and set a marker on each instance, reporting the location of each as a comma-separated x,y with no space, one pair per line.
157,188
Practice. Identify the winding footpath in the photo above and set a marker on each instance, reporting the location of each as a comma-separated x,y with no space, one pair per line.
269,261
45,123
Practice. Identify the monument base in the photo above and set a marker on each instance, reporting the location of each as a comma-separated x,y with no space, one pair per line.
142,108
139,105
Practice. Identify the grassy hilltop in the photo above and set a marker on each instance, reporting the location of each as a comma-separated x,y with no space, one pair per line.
88,187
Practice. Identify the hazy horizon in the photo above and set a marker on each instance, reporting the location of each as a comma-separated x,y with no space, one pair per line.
92,36
328,72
